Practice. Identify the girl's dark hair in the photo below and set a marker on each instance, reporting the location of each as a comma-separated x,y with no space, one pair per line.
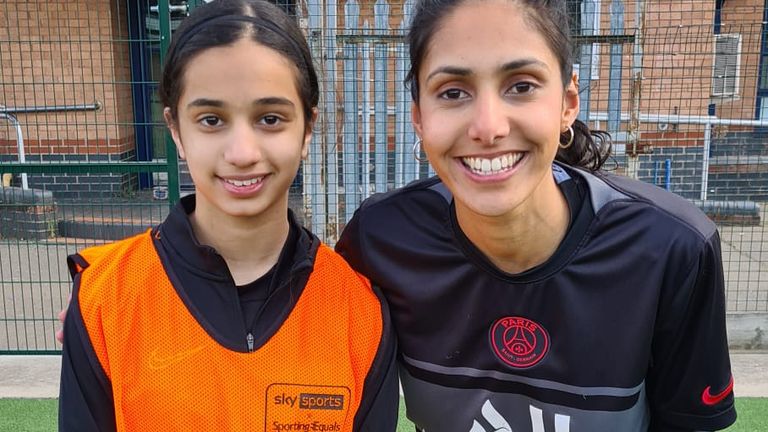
590,149
223,23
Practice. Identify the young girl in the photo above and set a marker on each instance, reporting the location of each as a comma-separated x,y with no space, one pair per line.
229,315
531,292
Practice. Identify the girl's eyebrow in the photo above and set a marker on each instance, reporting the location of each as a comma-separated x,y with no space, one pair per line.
506,67
273,101
205,102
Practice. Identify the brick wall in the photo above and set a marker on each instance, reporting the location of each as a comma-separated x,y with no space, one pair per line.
685,168
676,60
66,53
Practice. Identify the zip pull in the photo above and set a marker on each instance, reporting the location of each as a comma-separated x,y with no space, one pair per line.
249,340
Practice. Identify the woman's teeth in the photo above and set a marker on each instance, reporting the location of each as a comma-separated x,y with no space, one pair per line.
496,165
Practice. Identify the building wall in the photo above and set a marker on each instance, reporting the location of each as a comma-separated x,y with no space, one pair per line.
74,52
66,53
678,47
677,44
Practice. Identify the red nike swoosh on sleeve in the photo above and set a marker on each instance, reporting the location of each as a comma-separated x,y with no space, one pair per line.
710,399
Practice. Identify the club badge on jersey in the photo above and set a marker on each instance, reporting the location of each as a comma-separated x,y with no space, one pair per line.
519,342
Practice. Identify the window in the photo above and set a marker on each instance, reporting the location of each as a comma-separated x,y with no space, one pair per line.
725,76
764,73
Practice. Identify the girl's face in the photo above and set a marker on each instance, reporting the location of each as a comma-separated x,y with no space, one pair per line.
241,129
491,108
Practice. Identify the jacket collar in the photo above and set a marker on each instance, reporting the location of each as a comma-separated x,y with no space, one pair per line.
178,238
202,280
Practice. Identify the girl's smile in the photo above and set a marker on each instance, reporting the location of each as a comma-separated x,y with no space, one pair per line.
243,187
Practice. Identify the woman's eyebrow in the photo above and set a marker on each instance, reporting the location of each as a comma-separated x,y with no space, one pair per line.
506,67
450,70
522,63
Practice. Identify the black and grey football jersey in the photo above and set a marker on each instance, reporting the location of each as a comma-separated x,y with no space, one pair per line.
622,329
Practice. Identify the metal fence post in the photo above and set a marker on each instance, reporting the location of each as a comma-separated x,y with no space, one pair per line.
172,160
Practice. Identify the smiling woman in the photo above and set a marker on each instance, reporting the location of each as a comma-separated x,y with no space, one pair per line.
229,315
530,290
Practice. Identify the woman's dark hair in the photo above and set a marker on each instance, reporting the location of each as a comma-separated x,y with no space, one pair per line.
223,23
590,149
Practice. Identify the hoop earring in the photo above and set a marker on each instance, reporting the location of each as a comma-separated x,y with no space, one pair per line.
417,151
570,140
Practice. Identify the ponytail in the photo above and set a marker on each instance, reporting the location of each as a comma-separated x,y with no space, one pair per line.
589,149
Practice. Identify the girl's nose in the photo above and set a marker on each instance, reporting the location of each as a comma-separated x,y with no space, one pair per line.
243,147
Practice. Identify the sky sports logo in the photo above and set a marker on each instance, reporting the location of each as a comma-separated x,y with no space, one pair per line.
312,401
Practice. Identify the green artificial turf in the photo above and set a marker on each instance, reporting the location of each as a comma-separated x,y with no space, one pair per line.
28,415
33,415
752,415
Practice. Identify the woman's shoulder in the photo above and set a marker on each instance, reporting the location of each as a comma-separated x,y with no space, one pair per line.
662,207
413,191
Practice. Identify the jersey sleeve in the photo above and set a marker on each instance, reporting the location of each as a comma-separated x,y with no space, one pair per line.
381,396
85,393
381,400
689,382
350,245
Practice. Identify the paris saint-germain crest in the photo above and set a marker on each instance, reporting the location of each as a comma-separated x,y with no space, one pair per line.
519,342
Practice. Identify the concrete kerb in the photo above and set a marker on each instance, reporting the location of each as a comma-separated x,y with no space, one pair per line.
29,376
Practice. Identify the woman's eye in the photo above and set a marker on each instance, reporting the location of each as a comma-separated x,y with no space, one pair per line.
521,88
453,94
211,121
270,120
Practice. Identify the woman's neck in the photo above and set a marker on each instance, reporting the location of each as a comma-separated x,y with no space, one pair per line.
523,238
250,246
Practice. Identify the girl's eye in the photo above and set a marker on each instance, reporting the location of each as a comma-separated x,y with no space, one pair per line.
270,120
211,121
521,88
453,94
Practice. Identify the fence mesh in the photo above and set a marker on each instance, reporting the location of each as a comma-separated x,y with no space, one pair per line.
680,85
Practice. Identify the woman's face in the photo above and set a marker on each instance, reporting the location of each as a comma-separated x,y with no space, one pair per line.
491,108
241,129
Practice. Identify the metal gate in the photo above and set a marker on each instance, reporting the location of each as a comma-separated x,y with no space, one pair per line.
82,151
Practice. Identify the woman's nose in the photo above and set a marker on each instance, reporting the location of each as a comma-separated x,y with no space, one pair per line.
490,120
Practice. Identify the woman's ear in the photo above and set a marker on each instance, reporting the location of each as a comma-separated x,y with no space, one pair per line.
570,103
308,134
416,118
174,128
